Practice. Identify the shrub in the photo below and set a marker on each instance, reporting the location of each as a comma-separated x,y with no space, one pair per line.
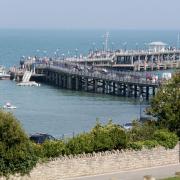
166,138
53,148
149,144
135,145
82,143
142,131
108,137
118,135
16,151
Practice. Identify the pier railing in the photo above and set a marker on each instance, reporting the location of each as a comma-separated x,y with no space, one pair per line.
123,77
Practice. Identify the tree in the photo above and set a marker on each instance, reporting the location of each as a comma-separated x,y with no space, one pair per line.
16,151
165,106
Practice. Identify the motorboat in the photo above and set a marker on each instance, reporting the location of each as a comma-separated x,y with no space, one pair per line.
29,83
3,73
26,80
128,126
9,106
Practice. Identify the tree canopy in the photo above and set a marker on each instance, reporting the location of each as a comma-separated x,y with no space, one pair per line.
165,106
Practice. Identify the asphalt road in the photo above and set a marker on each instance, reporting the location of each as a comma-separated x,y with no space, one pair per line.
157,172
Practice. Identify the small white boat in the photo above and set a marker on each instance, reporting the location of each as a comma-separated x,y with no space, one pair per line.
9,106
29,83
3,74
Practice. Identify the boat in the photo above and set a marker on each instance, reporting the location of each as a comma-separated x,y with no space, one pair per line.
3,73
29,83
26,80
9,106
128,126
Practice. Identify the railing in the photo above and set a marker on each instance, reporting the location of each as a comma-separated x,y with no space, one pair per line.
125,77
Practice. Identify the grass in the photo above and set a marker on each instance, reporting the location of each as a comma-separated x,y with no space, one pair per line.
173,178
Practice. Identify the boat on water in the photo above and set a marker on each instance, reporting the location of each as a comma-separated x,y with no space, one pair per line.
9,106
26,80
3,73
30,83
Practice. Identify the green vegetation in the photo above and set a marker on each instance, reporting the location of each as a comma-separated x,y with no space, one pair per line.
172,178
165,106
16,151
19,155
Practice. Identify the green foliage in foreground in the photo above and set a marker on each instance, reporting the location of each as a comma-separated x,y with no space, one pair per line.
172,178
149,135
16,151
109,137
165,106
19,155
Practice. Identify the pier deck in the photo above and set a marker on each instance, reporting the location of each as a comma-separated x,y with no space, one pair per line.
129,84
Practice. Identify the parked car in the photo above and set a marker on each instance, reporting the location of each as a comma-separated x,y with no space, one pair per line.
128,126
39,138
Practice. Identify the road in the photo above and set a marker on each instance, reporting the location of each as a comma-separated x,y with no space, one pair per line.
157,172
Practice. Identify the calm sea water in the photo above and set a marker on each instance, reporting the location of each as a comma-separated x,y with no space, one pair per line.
56,111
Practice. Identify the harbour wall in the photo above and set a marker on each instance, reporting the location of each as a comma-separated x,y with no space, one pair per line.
106,162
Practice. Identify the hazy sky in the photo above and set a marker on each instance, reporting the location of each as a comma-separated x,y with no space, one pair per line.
103,14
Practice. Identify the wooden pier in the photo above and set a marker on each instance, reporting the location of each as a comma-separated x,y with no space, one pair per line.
120,84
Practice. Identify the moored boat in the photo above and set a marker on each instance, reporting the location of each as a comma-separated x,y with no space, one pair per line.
3,73
9,106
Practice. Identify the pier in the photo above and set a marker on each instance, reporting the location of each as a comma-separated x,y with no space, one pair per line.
70,76
141,60
106,72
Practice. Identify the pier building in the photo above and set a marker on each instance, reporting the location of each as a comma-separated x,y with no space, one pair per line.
157,56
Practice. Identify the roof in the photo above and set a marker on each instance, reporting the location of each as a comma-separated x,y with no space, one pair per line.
157,43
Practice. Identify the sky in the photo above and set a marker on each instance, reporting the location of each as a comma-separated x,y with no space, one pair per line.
90,14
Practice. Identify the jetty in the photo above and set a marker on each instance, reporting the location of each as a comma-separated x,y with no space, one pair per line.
120,72
72,76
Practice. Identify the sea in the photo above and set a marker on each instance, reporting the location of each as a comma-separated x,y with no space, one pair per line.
59,112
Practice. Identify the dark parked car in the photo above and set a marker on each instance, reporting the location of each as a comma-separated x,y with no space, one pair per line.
39,138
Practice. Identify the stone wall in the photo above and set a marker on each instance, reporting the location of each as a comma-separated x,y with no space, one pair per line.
98,163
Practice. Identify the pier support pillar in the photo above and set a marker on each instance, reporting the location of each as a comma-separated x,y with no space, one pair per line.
64,85
135,91
124,90
77,83
140,90
60,80
114,88
86,84
128,90
95,85
118,89
69,82
147,92
103,87
56,79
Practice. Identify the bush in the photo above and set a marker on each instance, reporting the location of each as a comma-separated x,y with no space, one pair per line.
16,151
135,145
108,137
166,138
142,131
82,143
53,148
150,144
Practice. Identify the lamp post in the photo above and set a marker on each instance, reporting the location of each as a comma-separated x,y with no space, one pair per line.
76,52
93,44
140,102
112,46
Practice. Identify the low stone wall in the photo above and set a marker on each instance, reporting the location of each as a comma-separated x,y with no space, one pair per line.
98,163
